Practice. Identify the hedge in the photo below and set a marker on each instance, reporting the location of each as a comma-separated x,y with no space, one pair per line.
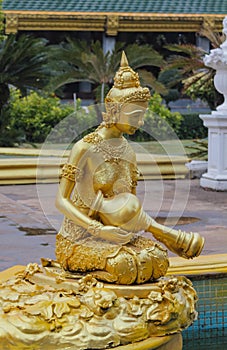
191,127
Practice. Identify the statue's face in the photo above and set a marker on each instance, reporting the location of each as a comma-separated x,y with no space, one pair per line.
131,117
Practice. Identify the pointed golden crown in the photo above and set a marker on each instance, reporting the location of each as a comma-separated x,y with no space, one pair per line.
126,77
127,86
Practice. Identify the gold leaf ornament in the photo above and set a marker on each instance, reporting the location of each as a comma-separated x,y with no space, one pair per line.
9,295
42,308
59,306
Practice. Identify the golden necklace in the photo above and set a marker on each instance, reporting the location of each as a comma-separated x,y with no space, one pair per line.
109,151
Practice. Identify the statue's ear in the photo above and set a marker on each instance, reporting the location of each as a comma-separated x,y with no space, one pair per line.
115,112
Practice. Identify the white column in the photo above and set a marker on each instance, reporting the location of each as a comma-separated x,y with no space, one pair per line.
108,43
216,176
203,42
216,122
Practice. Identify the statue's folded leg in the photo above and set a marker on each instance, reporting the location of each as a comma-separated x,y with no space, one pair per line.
152,259
137,262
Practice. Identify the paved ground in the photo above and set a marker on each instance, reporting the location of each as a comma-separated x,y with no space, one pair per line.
29,220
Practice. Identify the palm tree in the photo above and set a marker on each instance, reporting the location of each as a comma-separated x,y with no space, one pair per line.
78,61
196,78
23,64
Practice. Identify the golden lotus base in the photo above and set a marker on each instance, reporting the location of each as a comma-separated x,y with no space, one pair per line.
44,307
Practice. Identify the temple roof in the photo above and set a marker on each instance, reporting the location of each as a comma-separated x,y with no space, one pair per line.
114,16
119,6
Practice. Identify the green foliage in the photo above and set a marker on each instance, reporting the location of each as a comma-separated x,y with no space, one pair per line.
157,107
160,124
32,118
75,126
191,127
195,78
198,149
23,64
36,118
35,115
9,136
201,86
160,120
77,61
165,77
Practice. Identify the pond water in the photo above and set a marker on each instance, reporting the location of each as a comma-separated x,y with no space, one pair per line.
209,331
210,343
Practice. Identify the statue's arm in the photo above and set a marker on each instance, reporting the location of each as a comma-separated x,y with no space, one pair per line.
185,244
63,200
66,206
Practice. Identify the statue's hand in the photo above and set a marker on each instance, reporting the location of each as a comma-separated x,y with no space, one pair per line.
115,234
188,245
185,244
192,245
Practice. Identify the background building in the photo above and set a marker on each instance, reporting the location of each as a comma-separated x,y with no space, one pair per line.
143,21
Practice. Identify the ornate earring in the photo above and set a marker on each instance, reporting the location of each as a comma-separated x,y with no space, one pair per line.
112,114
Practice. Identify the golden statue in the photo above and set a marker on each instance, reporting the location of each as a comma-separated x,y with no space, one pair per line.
107,288
103,216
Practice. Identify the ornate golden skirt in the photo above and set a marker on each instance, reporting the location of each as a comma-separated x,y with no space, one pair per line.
139,261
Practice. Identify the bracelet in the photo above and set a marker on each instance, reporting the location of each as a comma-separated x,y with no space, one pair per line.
94,228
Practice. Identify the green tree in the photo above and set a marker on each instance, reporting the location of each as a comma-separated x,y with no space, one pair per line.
78,61
33,118
173,90
34,115
159,117
24,65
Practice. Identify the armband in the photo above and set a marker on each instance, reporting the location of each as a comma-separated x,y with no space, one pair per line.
71,172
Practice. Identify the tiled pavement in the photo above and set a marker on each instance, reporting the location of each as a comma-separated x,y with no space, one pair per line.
29,219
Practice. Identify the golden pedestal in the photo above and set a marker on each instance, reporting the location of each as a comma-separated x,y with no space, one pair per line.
47,308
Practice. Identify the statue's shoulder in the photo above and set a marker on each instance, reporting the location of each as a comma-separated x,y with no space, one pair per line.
93,138
80,146
78,150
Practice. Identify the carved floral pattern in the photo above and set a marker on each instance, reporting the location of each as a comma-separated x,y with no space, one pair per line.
82,313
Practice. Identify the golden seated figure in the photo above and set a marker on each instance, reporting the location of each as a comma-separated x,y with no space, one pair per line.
97,195
68,304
